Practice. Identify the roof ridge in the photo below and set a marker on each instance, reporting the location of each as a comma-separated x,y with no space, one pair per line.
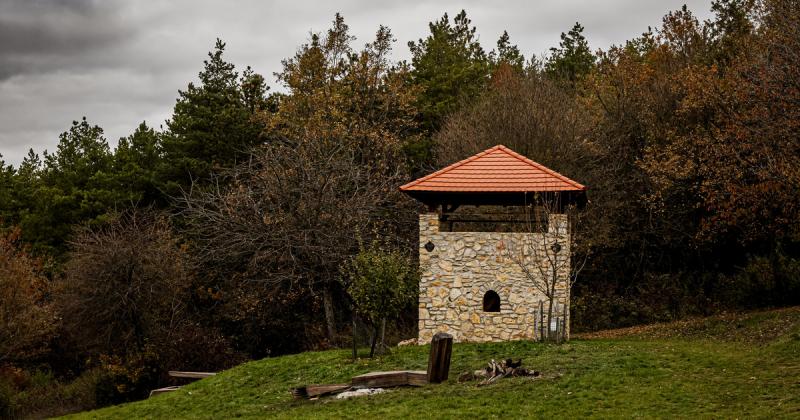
540,166
450,167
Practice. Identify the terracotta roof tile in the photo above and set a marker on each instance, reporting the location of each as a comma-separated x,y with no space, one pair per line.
498,169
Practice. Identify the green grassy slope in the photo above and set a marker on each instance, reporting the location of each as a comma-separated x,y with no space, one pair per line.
728,366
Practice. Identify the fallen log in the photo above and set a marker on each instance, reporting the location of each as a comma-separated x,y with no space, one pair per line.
313,391
390,379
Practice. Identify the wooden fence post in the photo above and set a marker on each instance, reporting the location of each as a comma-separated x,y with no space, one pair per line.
439,360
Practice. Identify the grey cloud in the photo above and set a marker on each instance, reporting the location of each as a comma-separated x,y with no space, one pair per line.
40,36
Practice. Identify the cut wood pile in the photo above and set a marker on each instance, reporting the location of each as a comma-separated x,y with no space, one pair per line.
494,371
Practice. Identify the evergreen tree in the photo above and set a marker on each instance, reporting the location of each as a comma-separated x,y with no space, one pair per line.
136,163
72,186
212,124
572,59
507,53
449,64
7,174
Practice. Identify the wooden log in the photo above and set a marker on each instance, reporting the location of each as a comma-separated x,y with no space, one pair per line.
313,391
380,379
390,379
439,359
193,375
417,377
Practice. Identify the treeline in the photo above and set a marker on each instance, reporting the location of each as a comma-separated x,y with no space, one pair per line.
234,232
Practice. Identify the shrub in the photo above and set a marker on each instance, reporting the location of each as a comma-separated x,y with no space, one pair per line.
134,276
27,320
382,284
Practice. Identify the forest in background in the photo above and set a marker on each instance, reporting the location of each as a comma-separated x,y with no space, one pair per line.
232,233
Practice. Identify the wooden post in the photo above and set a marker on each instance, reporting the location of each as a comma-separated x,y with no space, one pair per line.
439,360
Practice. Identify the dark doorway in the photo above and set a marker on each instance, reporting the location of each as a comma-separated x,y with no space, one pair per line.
491,301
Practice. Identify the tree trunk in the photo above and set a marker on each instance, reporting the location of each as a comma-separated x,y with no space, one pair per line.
383,335
330,318
550,301
374,340
355,346
565,320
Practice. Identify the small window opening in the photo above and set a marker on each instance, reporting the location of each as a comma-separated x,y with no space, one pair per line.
491,301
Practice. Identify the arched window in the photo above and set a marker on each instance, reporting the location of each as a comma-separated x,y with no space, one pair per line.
491,301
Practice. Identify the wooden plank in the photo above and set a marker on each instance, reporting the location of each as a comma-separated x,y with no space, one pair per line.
313,391
439,359
193,375
390,379
164,390
380,379
417,377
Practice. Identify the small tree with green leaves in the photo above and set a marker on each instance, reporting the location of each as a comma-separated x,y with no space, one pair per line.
381,284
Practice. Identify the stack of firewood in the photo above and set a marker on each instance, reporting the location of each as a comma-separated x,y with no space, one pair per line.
494,371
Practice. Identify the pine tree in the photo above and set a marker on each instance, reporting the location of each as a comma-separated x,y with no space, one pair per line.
450,65
72,186
7,174
507,53
212,124
572,59
136,162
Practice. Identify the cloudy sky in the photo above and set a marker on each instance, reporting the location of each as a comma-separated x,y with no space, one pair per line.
122,62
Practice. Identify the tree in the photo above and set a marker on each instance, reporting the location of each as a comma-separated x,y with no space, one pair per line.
507,53
548,256
381,284
213,124
136,163
72,185
27,320
7,174
572,59
289,219
449,65
125,285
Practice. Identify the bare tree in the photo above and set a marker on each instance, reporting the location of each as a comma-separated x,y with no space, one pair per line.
126,284
550,257
293,215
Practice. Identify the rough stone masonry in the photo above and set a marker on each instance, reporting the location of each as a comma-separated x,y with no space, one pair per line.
463,266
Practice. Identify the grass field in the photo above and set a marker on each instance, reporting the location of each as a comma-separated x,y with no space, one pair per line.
729,366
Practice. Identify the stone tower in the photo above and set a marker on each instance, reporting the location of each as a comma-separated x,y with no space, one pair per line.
482,271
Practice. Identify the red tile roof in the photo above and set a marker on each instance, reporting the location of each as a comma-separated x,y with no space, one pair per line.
498,169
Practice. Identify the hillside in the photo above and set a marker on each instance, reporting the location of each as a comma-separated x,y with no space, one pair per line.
725,366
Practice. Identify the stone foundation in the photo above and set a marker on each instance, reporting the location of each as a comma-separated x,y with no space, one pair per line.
463,266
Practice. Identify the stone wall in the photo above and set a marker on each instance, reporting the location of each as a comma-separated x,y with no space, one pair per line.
463,266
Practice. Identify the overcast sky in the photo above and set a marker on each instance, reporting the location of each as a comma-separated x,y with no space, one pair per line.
122,62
